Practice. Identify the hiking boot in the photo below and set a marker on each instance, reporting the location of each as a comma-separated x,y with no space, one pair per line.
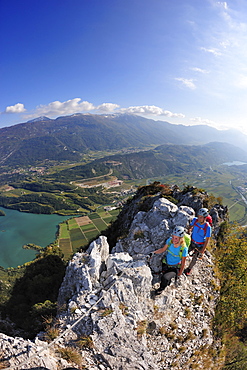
187,271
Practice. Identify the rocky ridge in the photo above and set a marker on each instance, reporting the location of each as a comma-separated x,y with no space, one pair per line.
107,298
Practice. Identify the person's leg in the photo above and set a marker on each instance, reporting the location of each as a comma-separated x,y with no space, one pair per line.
164,268
162,281
196,253
166,279
192,247
194,259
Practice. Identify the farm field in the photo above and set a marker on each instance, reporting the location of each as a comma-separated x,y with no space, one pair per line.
76,233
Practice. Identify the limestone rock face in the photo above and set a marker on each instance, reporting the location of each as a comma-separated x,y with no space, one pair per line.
133,329
109,299
15,351
119,302
190,199
149,230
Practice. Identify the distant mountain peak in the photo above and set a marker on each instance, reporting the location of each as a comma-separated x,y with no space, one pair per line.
41,118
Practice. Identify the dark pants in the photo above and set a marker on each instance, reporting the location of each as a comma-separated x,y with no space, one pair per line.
168,273
197,248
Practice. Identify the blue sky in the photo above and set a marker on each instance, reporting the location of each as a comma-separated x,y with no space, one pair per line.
182,61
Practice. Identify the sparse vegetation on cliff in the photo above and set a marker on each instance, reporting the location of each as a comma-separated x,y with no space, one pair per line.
231,313
33,294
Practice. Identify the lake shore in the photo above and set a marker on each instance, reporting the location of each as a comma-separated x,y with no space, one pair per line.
19,229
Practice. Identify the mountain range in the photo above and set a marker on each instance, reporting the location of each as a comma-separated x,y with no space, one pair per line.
69,137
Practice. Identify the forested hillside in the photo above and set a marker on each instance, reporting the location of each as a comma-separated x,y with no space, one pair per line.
165,159
48,198
62,191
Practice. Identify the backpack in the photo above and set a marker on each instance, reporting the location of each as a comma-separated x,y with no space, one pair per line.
187,240
209,220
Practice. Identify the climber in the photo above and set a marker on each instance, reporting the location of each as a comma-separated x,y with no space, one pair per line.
174,261
200,236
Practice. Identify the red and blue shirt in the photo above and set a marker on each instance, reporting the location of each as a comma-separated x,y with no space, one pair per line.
200,231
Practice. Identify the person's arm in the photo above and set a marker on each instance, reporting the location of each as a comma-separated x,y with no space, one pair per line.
205,245
163,249
190,228
182,266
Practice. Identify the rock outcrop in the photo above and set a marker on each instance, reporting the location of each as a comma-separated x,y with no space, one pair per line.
106,302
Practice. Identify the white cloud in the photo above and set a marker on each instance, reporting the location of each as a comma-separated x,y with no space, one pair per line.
223,4
204,71
233,17
71,106
225,44
212,51
226,36
203,121
187,82
170,114
150,110
107,107
62,108
17,108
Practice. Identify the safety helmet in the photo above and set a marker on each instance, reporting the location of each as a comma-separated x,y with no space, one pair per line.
203,212
178,231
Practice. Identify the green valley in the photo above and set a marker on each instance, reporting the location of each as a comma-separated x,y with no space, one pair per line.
83,190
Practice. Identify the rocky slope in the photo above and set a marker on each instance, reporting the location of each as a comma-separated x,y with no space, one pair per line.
108,312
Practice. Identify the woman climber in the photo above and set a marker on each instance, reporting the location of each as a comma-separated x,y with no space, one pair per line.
174,261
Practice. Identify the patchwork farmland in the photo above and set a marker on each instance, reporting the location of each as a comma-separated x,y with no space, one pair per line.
77,232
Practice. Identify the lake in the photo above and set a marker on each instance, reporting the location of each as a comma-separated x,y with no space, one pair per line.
234,163
19,228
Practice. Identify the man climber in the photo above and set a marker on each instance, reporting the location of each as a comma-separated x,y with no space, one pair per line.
201,233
